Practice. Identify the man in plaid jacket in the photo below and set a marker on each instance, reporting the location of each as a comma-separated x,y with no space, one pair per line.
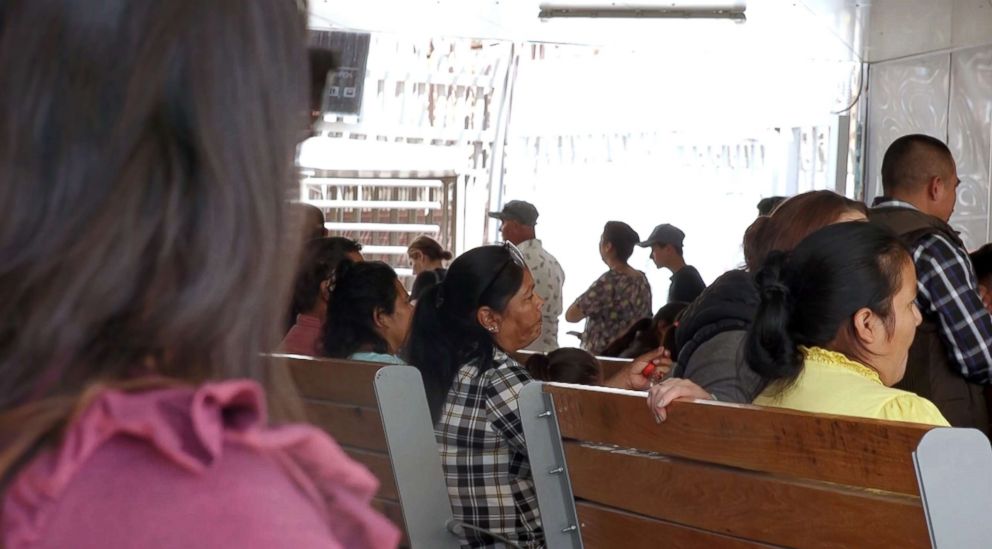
951,356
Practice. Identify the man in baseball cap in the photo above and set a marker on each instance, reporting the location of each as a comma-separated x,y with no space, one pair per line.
518,220
666,251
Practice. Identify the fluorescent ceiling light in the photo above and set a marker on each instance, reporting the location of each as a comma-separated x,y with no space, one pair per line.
732,10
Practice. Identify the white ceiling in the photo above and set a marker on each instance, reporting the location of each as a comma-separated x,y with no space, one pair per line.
844,30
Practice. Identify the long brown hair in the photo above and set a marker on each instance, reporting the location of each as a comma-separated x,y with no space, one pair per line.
145,154
792,221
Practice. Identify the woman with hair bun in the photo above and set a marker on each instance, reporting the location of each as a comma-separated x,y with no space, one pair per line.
834,325
427,258
617,298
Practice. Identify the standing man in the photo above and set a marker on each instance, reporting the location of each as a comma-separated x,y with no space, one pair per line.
666,251
950,359
518,220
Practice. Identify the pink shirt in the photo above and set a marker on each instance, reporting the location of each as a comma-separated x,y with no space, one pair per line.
192,468
304,337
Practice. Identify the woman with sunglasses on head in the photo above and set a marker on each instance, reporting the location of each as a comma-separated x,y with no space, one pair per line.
464,331
145,149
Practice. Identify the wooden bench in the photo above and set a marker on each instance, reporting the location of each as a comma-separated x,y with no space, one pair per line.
724,475
609,365
339,397
379,415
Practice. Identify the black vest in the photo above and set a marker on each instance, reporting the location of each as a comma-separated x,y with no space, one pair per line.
930,371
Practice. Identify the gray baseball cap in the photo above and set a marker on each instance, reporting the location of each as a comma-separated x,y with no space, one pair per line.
664,234
517,210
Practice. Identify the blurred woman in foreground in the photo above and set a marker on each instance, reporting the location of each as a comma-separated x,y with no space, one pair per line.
144,153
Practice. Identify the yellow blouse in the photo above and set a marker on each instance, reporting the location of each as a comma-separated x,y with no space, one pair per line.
831,383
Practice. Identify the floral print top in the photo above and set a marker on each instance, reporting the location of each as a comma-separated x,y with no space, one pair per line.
611,305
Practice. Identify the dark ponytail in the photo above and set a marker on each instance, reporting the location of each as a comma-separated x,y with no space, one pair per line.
770,349
446,333
809,297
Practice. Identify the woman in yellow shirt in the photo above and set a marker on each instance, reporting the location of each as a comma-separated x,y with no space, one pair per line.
834,327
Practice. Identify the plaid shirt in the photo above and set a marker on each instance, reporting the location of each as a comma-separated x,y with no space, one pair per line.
948,291
484,456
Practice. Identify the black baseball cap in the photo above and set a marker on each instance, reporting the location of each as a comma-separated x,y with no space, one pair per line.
517,210
664,234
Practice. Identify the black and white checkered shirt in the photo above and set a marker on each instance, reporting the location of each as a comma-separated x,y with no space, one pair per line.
484,455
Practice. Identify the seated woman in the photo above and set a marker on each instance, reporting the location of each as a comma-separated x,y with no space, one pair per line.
711,332
566,365
463,332
147,147
370,314
309,306
648,333
617,298
833,329
427,258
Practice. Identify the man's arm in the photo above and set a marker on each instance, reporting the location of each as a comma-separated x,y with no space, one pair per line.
948,289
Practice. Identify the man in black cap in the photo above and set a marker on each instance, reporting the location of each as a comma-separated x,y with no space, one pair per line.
518,220
666,251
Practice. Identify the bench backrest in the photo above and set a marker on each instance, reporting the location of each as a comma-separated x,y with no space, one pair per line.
339,397
609,365
720,474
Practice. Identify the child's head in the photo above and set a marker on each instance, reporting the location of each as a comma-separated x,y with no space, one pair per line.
566,365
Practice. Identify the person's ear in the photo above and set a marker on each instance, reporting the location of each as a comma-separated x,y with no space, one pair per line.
935,188
489,319
868,327
325,291
380,318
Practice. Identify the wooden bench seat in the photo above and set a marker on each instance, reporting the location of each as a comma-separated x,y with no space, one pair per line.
724,475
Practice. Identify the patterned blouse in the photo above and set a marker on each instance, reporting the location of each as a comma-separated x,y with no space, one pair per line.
485,460
611,305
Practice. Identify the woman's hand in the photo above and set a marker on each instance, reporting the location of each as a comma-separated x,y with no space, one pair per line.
664,393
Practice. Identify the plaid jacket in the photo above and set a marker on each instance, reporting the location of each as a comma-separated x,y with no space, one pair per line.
948,291
485,460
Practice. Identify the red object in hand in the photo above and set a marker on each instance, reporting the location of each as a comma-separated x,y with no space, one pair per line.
648,370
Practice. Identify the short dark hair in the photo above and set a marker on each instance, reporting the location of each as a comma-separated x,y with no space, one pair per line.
911,160
153,143
622,237
446,332
311,219
981,260
808,295
317,263
566,365
360,289
767,205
